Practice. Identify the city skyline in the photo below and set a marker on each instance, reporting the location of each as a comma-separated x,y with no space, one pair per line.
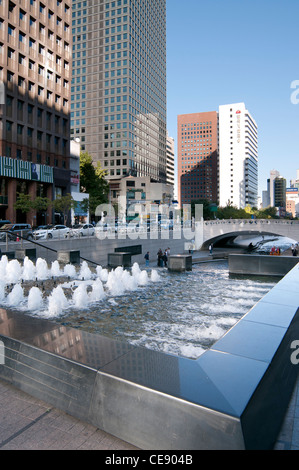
233,52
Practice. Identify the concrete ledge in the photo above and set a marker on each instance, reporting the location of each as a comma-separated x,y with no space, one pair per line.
179,263
21,253
119,259
234,396
68,256
261,264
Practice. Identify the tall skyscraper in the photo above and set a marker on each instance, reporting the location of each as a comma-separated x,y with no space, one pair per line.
35,60
118,93
238,156
217,157
197,157
170,160
280,185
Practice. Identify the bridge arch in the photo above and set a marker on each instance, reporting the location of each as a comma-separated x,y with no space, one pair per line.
219,230
228,238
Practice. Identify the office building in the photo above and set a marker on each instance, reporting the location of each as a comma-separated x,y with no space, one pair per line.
197,150
238,156
35,64
280,185
143,197
170,160
118,92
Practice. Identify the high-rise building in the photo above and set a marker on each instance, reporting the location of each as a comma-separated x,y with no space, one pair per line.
217,157
268,195
280,185
118,93
197,150
170,160
238,156
35,67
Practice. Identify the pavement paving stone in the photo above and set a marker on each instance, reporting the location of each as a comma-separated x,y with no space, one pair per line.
27,423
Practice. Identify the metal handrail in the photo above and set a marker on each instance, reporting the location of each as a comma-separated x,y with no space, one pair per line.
44,246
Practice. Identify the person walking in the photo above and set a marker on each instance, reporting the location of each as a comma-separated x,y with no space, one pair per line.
165,258
146,257
211,248
160,260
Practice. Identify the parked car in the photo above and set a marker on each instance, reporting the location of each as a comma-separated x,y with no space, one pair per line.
4,222
51,231
82,230
87,230
15,231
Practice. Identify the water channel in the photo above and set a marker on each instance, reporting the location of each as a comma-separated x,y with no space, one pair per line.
177,313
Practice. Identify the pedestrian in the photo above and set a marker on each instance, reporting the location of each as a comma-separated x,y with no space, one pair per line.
165,258
146,257
272,252
160,255
211,248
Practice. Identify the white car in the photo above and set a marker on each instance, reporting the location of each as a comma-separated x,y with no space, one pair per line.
86,230
56,231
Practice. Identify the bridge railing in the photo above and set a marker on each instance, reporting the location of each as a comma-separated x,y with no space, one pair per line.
251,222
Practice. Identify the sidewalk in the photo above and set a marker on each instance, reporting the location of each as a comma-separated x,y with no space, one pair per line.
27,423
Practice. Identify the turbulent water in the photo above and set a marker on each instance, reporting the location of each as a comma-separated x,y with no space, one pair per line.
177,313
182,314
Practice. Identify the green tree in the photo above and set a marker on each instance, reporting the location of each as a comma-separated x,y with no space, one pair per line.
232,212
267,213
93,182
207,214
64,204
23,202
41,204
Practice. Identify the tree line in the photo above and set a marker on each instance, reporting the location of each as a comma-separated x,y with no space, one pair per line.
212,211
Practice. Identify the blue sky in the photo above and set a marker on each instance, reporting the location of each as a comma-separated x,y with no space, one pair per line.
230,51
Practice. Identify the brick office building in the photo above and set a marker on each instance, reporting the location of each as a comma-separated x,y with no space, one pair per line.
35,70
197,144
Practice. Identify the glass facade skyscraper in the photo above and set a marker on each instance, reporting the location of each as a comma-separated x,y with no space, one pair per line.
118,90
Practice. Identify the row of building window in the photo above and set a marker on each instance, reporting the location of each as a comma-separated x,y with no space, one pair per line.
46,160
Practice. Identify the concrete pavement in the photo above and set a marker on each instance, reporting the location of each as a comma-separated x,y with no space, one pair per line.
27,423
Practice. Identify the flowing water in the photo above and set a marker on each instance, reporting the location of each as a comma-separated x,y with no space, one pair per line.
182,314
177,313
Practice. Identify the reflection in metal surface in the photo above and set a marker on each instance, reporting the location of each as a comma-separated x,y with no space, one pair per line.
233,396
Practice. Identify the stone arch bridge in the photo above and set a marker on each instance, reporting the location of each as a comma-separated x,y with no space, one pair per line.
227,230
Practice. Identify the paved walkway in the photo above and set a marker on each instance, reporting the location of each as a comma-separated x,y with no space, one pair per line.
27,423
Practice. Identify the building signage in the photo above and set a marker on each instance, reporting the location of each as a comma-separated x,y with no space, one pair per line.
75,179
12,168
